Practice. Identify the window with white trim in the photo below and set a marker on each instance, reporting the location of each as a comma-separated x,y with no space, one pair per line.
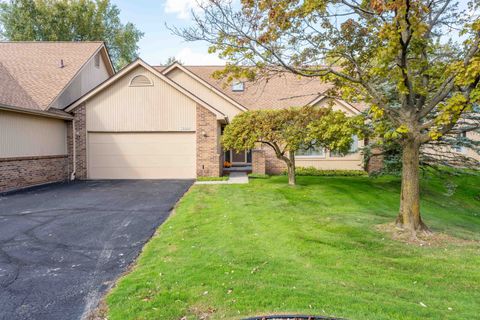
238,86
140,81
312,151
460,149
97,60
353,148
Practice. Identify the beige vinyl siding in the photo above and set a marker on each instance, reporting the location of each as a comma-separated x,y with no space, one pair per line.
122,108
204,93
141,155
87,79
24,135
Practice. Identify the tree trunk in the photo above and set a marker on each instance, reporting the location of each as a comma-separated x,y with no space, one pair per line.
291,169
409,217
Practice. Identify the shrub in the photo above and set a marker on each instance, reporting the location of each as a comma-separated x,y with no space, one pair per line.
212,178
311,171
258,176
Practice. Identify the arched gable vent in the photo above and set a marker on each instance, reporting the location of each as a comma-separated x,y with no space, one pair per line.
140,81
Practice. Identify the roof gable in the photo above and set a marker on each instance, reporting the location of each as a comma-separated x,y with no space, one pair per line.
126,70
279,91
205,83
337,104
43,69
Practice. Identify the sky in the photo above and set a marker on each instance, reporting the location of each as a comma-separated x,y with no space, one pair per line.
158,43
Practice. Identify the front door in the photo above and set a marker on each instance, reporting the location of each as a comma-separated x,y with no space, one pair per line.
239,157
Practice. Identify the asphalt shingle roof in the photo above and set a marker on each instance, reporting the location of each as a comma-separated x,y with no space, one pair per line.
30,72
280,91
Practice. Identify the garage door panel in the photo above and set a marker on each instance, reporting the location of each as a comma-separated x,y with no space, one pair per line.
140,173
141,156
144,149
117,161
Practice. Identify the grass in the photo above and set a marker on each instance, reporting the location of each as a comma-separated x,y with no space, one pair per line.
224,178
232,251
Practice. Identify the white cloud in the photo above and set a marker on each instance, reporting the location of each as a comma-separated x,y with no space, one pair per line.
188,57
181,7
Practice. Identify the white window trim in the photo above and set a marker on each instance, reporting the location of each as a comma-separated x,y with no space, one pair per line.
150,84
97,61
238,86
313,156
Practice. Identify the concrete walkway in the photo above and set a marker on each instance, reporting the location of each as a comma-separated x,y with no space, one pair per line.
234,178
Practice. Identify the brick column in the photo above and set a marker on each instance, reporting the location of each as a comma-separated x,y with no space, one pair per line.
375,163
258,161
79,115
208,154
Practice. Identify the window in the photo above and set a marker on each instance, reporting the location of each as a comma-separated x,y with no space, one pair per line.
238,86
141,81
353,148
311,152
97,60
461,136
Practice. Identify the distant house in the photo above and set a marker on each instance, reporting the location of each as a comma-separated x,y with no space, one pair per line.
65,114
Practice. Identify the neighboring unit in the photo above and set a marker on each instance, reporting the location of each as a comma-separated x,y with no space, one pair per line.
37,81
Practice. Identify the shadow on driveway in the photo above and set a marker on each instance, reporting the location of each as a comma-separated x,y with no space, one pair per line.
63,245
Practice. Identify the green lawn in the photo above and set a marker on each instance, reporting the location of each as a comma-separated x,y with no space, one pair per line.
232,251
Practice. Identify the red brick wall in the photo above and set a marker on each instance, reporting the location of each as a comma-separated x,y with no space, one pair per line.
17,173
209,158
258,161
375,164
273,165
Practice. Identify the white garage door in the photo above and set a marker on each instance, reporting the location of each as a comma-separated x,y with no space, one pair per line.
141,156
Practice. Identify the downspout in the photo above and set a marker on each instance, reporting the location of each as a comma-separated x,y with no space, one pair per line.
74,151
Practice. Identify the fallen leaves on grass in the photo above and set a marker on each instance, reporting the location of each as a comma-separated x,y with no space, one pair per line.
435,239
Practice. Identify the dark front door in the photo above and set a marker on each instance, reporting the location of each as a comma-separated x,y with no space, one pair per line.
239,157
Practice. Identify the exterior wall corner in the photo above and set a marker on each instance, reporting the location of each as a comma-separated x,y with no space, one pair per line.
79,117
209,155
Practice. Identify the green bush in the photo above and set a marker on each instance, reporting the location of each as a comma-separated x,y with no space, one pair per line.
212,178
258,176
311,171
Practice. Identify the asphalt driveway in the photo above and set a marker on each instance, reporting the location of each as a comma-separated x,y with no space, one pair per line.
62,246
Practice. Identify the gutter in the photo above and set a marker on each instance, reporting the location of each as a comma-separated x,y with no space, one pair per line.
40,113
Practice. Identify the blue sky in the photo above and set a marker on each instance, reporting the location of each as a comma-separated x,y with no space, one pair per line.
158,43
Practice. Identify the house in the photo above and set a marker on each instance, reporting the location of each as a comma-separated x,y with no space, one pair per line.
38,80
65,114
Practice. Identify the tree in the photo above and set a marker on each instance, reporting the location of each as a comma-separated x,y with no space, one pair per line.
288,130
415,62
71,20
172,60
